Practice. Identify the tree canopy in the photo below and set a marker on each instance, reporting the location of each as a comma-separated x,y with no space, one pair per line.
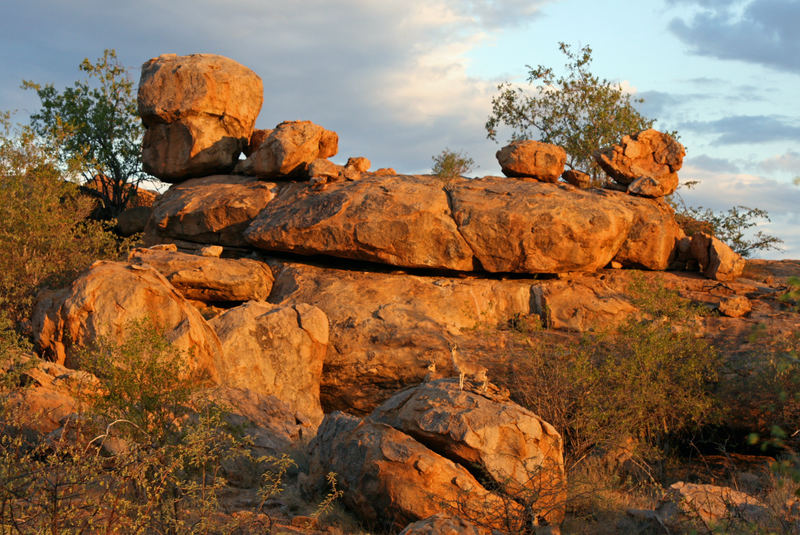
96,126
577,111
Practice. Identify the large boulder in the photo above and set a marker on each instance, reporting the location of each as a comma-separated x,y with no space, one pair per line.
400,220
654,237
207,278
289,149
386,328
106,299
716,259
389,479
527,158
519,452
530,227
275,350
214,209
650,155
198,111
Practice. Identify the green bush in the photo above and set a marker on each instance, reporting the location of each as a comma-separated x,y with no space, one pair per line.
450,164
648,380
44,232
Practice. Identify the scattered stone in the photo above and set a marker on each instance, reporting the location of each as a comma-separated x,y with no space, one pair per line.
649,154
523,158
711,504
444,524
735,307
103,302
521,453
209,278
214,209
577,178
323,168
198,111
275,350
211,251
289,149
358,164
716,259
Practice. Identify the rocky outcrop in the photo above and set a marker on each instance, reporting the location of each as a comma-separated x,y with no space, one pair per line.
527,158
530,227
520,453
389,479
275,350
289,149
717,260
653,241
386,328
209,278
215,209
198,111
402,221
582,304
647,162
104,301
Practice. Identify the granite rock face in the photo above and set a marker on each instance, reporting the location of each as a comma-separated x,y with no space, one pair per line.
198,111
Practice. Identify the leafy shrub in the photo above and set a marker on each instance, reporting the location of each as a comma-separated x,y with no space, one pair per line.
450,164
648,380
43,225
791,296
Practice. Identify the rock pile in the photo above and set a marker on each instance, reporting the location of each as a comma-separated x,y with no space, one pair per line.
295,306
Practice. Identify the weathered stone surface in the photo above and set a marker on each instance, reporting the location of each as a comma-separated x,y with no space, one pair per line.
529,227
386,328
654,238
542,161
401,221
577,178
389,479
289,149
324,168
711,504
275,350
521,453
358,164
209,278
258,137
199,112
648,153
735,307
133,220
214,209
102,303
650,187
51,397
717,260
581,304
443,524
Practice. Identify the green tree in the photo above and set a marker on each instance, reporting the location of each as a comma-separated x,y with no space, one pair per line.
577,111
98,129
450,164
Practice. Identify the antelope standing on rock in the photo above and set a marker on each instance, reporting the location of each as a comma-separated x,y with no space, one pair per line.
464,368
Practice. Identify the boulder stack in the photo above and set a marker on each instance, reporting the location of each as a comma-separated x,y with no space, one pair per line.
198,111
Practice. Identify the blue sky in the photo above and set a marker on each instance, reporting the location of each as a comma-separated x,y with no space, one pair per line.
400,80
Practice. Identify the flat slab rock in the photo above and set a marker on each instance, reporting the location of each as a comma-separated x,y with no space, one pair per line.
491,224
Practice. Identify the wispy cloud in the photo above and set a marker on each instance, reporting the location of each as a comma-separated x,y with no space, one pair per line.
747,129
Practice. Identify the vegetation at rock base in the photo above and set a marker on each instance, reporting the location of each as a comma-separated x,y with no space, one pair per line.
578,111
46,236
97,128
451,164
